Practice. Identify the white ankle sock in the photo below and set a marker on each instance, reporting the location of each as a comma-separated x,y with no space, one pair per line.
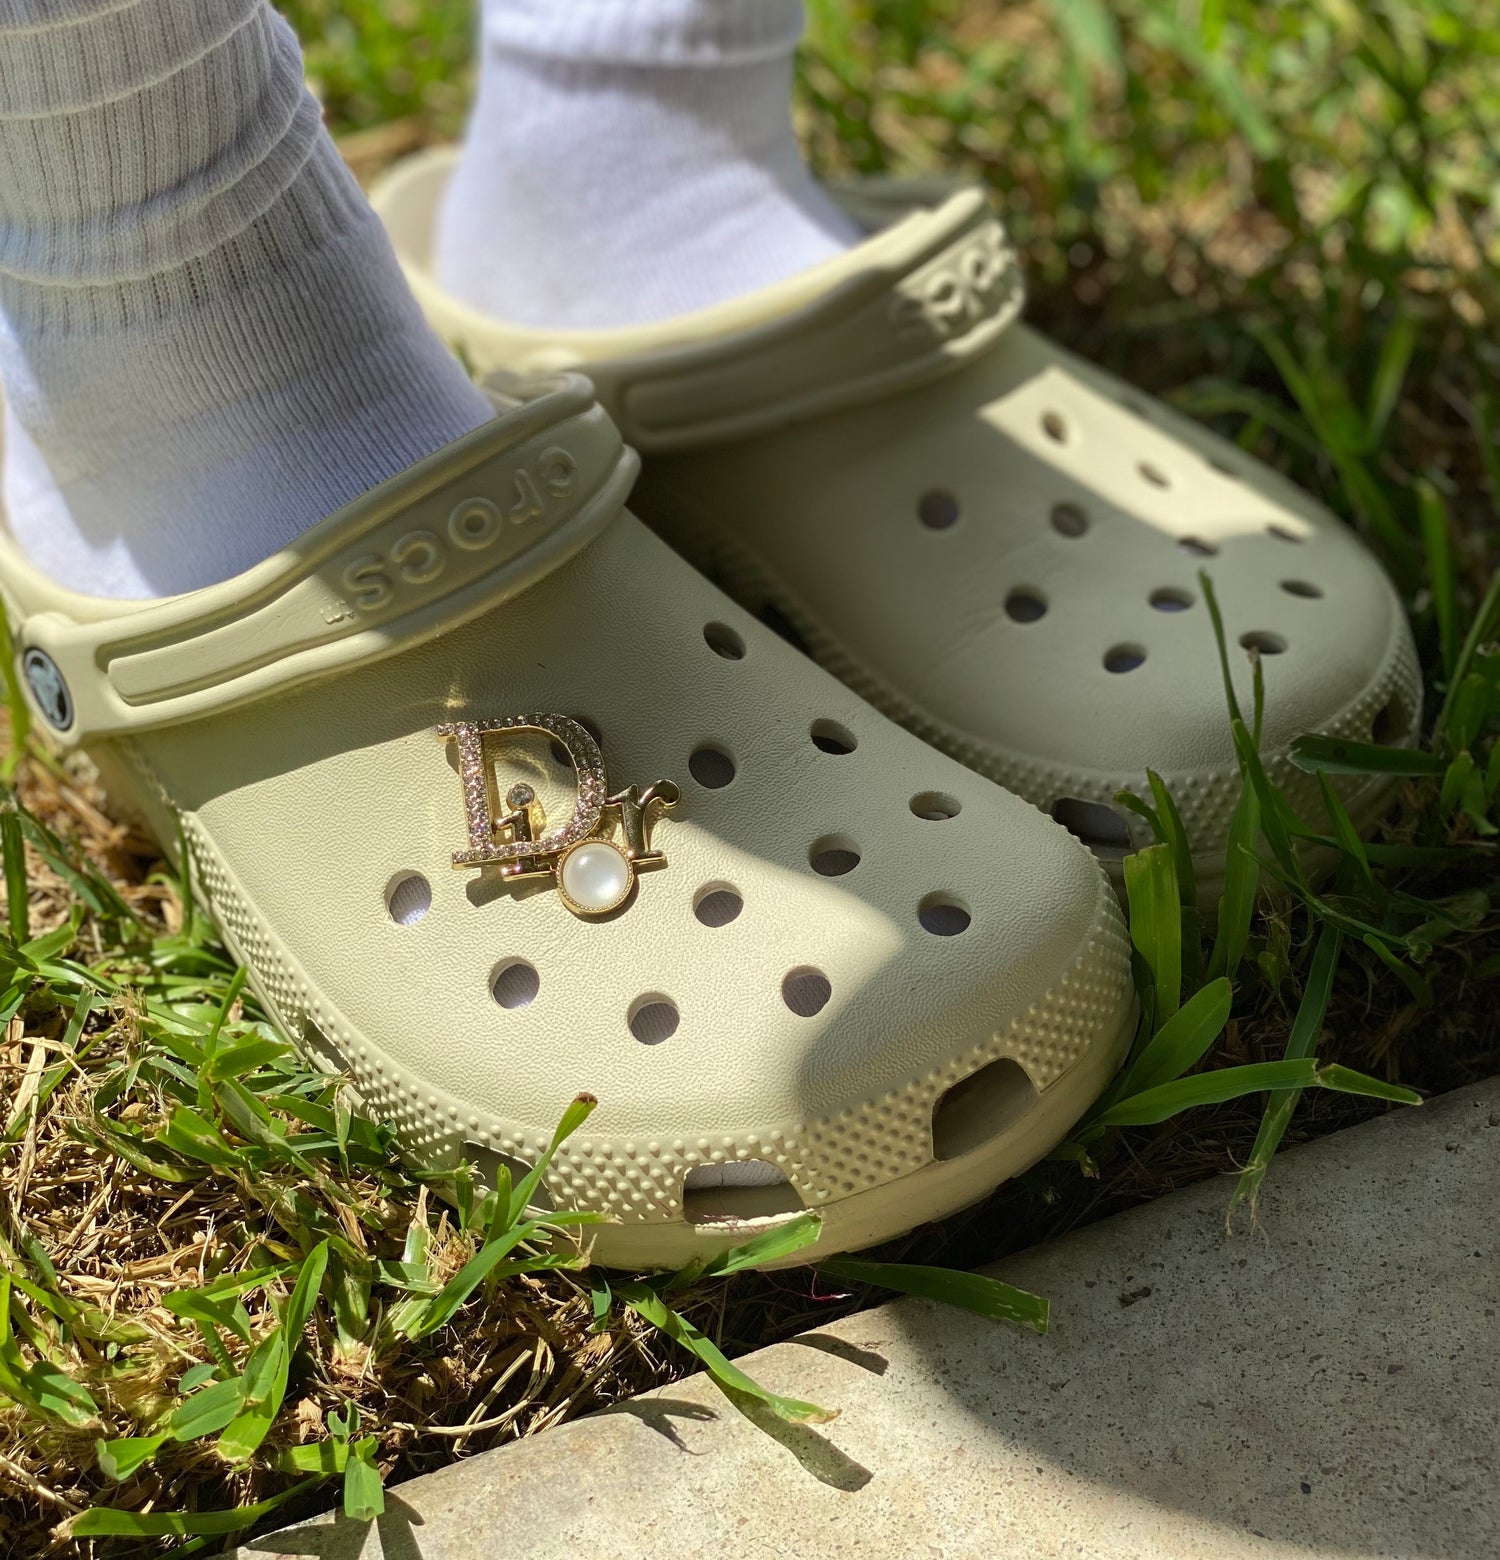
629,160
205,341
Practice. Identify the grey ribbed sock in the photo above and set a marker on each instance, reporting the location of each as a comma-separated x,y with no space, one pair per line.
205,341
629,160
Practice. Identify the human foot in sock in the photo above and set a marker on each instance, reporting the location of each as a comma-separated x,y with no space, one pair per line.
991,540
803,961
205,343
630,161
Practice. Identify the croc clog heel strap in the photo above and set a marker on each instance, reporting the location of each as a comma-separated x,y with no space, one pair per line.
419,556
936,285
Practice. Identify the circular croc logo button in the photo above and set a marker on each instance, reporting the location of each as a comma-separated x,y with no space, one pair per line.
48,688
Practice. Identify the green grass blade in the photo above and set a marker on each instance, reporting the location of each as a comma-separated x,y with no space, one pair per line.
1242,870
207,1412
1345,833
578,1111
15,702
644,1300
266,1372
264,1384
1337,756
328,1457
1419,988
43,1388
601,1299
17,893
1346,1081
1306,1028
1390,374
105,1522
304,1297
1210,1088
364,1494
440,1310
1432,516
1485,624
1184,1040
1166,29
1216,621
987,1297
1276,819
118,1460
1156,922
1172,831
212,1309
1231,1083
781,1241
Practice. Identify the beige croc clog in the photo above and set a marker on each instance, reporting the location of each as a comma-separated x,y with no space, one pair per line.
994,542
500,801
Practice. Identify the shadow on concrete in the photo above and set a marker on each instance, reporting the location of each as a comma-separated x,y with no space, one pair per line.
1326,1382
391,1536
840,1348
657,1413
815,1453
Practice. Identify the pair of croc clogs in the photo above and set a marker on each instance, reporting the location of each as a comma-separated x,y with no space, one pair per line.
804,958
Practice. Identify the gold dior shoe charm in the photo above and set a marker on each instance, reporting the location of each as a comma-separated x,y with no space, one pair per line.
593,858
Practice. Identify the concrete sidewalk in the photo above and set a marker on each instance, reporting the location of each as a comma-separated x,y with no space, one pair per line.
1328,1387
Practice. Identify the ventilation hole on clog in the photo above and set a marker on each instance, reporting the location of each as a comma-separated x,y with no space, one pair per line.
717,904
1069,519
1170,599
1392,722
1265,643
515,984
724,641
711,767
830,737
1284,533
943,915
1124,658
779,623
834,855
1025,606
1153,474
1055,426
935,805
1197,547
736,1191
1097,824
937,510
560,753
978,1109
488,1163
806,991
654,1018
1304,588
1222,466
409,898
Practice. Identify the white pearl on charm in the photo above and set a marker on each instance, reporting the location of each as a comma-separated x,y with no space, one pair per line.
595,877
